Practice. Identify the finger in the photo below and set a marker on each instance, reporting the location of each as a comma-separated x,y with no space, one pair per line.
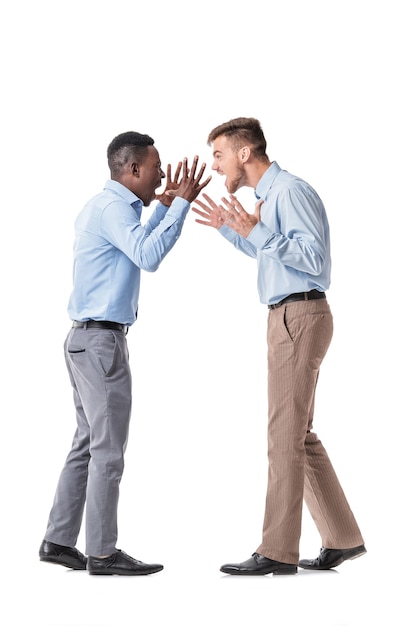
229,213
200,174
169,173
203,206
177,172
184,165
203,222
226,215
194,167
209,200
203,184
228,204
236,204
230,207
199,212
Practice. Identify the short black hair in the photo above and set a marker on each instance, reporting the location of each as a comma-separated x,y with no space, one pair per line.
126,146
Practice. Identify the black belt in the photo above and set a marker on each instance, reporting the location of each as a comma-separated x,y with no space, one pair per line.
296,297
101,324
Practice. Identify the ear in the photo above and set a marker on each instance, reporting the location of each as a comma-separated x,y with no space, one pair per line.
135,169
244,154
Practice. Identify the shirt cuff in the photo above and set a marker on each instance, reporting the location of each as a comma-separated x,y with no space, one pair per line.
178,207
259,235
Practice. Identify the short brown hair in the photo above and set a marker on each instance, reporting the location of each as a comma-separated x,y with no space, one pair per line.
242,131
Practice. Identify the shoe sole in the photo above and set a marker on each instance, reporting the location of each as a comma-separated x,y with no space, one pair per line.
280,572
51,559
123,573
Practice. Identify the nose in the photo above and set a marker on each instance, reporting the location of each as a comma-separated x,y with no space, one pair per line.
163,175
215,167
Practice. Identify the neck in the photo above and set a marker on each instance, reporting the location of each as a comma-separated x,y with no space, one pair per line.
256,171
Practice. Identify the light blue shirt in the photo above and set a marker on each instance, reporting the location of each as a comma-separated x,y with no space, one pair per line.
112,247
291,242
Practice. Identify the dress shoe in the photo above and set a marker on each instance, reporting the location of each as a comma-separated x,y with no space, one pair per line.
122,564
330,557
258,565
62,555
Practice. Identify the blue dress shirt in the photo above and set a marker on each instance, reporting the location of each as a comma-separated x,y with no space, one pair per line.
291,242
111,247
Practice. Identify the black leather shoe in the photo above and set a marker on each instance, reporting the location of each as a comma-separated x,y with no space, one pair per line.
258,565
329,558
122,564
62,555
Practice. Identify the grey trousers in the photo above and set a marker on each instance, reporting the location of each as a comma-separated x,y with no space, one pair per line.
98,366
299,335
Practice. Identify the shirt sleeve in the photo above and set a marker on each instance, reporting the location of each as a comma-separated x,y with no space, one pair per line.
146,246
238,241
156,217
299,240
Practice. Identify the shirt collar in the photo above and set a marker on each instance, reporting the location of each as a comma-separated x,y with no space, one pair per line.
266,181
124,192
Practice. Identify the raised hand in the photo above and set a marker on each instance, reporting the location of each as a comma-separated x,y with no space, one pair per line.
234,215
211,212
167,196
189,186
236,218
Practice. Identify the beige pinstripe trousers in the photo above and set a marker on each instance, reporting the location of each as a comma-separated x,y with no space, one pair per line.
299,334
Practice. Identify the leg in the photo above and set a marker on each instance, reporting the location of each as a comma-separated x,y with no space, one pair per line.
99,364
67,510
341,538
326,500
298,337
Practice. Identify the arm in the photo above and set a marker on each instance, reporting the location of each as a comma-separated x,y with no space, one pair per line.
297,234
147,246
144,247
301,240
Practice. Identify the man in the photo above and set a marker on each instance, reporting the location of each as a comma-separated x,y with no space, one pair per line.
288,234
111,248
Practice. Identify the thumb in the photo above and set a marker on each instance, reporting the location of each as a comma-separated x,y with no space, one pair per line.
169,193
258,209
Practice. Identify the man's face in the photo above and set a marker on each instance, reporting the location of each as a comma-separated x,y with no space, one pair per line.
226,162
150,176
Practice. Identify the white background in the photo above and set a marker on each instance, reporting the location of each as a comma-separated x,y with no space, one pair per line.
333,84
